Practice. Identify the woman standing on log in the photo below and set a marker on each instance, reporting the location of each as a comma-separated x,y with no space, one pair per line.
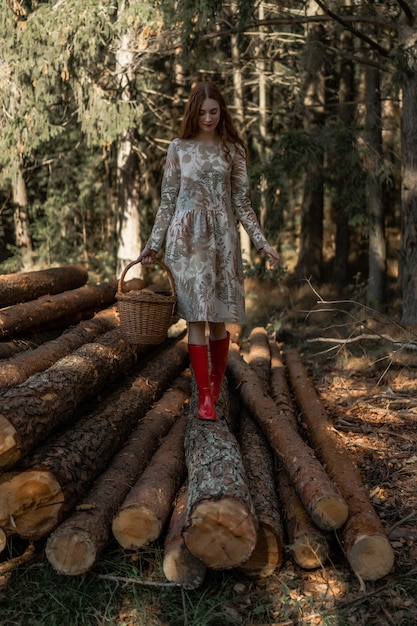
205,192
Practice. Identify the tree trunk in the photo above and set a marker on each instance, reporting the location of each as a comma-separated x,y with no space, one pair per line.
318,494
258,463
25,286
259,357
373,139
13,347
238,100
76,544
363,538
179,565
47,399
408,40
21,366
22,317
3,541
310,256
259,466
308,544
128,174
346,114
146,508
21,220
221,526
56,475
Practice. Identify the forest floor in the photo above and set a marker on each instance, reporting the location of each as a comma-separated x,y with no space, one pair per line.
363,365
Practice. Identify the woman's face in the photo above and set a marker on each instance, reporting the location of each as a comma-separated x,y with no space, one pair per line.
209,116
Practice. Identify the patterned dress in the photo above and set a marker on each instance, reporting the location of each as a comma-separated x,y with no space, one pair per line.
203,197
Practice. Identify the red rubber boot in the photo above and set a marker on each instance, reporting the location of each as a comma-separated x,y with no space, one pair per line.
199,362
219,349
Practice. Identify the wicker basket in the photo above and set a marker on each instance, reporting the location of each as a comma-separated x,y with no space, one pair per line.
145,315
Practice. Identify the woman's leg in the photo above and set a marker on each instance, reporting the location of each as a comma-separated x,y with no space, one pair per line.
217,330
197,333
219,349
197,349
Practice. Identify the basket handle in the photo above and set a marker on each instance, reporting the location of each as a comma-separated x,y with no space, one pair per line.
157,262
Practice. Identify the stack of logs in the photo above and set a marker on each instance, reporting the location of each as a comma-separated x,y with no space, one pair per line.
99,439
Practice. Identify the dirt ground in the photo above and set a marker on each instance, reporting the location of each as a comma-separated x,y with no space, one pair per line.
364,367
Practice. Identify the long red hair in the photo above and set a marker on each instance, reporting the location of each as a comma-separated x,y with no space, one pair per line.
225,128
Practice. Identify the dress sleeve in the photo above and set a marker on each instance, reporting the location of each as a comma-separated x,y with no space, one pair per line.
241,200
169,192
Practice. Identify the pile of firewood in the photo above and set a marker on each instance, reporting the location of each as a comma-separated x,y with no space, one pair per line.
99,439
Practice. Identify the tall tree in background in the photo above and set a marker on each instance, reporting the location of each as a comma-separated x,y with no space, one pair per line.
344,155
376,219
310,255
128,175
408,42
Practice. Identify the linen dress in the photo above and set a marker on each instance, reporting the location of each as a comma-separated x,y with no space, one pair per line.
203,197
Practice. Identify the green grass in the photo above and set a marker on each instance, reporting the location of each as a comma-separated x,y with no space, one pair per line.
35,595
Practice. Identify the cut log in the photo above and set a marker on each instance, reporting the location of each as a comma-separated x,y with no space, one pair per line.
13,347
258,463
259,357
59,473
259,466
146,508
22,317
20,367
76,544
3,540
25,286
364,540
317,492
179,565
221,524
30,411
309,546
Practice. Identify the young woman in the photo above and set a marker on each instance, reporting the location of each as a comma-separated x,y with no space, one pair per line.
204,194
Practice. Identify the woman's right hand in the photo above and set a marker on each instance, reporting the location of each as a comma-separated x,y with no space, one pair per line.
147,256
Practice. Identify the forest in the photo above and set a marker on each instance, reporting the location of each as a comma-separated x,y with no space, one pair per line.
324,95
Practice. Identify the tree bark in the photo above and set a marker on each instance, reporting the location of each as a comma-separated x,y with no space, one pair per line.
128,172
76,544
308,544
346,113
23,240
363,538
221,525
258,463
318,494
25,286
13,347
20,367
22,317
146,508
259,466
376,292
179,565
310,257
56,475
47,399
408,39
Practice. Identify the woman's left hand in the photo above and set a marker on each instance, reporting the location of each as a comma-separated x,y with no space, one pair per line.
274,256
